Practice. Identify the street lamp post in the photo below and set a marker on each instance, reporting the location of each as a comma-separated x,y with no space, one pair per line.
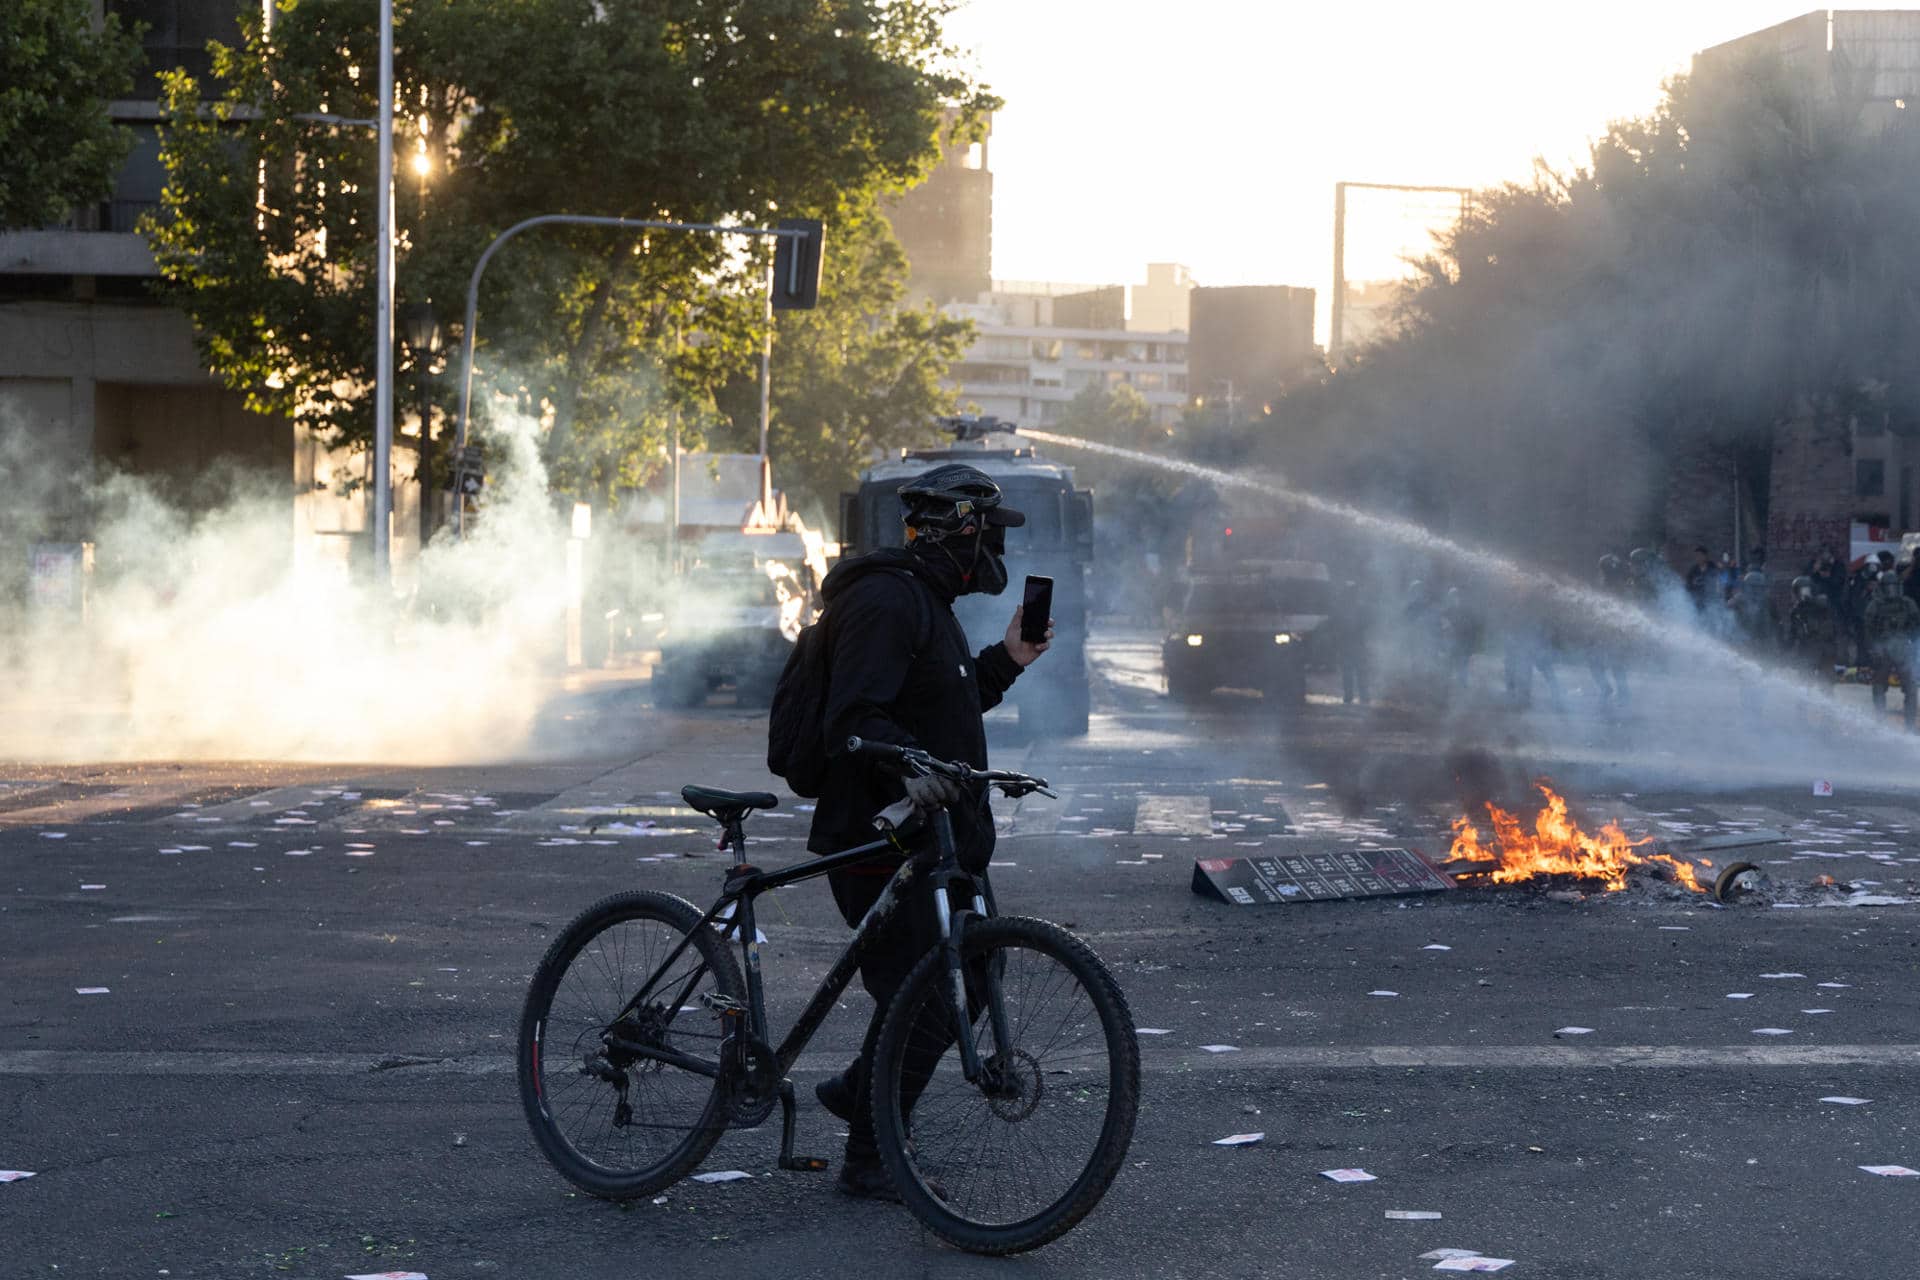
383,313
422,328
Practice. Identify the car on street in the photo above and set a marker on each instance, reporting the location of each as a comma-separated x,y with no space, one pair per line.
733,621
1250,628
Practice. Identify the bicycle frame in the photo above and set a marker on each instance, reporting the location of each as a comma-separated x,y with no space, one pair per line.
938,867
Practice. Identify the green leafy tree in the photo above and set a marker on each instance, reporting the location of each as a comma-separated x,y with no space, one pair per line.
1735,261
58,149
673,109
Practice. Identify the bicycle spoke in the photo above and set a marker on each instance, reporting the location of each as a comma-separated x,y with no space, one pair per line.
1004,1159
665,1104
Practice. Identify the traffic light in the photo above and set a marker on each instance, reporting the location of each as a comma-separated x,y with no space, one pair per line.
796,265
469,471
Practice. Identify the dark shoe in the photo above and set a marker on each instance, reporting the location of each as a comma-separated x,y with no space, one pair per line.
863,1177
837,1095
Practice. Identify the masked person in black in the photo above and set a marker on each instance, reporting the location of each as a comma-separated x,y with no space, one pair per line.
899,671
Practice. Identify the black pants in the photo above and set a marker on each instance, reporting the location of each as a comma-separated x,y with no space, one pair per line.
908,934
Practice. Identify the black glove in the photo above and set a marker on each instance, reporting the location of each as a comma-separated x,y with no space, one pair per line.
933,791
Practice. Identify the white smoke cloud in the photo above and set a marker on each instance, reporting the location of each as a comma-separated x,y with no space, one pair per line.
206,638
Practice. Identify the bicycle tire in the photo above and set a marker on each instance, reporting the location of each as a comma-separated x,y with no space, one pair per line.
918,1176
548,1095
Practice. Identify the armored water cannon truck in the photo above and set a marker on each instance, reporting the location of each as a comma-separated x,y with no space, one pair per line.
1056,542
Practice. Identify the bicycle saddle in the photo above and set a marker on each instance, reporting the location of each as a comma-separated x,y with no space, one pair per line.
727,806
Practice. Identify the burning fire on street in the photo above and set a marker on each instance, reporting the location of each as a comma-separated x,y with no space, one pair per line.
1556,845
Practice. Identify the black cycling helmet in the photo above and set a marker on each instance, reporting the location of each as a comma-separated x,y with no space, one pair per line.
950,497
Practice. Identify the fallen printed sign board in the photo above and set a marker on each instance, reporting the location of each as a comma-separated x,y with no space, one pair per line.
1316,877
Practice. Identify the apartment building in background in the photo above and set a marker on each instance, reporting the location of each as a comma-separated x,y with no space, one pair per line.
101,376
1249,342
1849,486
945,224
1033,352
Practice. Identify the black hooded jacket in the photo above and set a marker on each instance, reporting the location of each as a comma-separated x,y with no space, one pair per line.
899,671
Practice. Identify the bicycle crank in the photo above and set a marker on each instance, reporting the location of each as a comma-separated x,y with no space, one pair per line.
753,1079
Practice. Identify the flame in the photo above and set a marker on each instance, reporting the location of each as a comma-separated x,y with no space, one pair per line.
1558,847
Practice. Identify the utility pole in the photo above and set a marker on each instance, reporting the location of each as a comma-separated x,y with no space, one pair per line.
766,377
1336,325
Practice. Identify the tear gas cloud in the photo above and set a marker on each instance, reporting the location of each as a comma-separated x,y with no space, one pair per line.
207,638
1704,715
1670,347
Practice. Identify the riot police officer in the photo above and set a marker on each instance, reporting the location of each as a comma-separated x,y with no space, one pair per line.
1813,630
1892,624
1604,660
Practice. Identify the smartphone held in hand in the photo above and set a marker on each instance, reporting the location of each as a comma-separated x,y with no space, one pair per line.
1037,609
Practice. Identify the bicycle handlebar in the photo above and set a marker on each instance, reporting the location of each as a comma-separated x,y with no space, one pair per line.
920,763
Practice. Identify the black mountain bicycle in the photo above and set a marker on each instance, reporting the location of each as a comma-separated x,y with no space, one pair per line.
1006,1078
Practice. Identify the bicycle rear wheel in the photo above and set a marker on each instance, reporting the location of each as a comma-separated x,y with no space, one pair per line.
615,1123
1019,1157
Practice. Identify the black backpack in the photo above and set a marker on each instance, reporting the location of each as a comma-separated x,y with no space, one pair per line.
797,724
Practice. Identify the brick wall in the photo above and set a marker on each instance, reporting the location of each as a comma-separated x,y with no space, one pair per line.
1810,503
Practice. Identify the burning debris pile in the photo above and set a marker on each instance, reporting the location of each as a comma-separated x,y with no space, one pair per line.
1556,846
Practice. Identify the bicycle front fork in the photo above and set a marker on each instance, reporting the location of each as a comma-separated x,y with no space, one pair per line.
958,1008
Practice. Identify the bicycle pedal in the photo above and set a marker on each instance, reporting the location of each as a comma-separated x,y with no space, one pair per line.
803,1164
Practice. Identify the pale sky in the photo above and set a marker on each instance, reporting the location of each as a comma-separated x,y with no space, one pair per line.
1211,132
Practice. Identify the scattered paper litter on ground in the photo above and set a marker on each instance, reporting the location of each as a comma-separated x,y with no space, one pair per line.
1574,1031
1383,993
1412,1215
14,1175
1739,995
1473,1262
390,1275
1816,1011
1842,1100
1221,1048
1783,975
90,991
1436,946
1151,1031
53,835
242,844
1239,1140
1772,1031
93,886
1348,1175
1891,1170
1431,1254
1834,986
1676,928
724,1175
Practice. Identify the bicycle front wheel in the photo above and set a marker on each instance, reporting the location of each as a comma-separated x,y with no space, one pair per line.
1016,1158
618,1123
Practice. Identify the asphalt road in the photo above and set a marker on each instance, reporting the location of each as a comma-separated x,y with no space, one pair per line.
300,1064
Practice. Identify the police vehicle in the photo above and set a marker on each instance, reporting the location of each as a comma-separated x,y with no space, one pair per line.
1056,542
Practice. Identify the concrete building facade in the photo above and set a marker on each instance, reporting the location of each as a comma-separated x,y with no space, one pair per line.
1845,485
97,374
945,224
1249,342
1028,360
